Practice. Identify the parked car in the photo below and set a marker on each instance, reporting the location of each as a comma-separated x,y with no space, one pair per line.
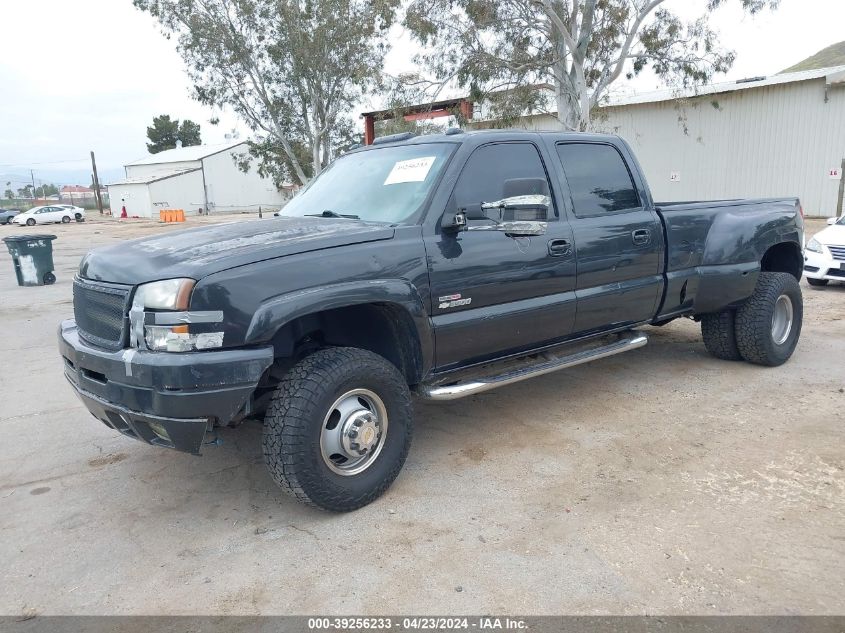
443,266
78,212
47,215
824,259
7,215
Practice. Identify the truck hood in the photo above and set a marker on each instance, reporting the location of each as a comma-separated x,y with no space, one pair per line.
203,251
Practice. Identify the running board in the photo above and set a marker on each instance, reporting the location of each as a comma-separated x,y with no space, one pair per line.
545,363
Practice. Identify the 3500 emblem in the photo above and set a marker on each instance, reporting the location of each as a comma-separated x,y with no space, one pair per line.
453,301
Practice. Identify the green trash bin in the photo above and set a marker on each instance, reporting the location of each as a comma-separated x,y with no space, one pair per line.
33,258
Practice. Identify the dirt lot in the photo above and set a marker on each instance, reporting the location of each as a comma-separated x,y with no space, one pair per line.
661,481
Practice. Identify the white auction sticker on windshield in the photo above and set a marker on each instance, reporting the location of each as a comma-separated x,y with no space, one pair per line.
413,170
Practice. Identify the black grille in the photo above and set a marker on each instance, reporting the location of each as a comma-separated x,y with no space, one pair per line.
100,312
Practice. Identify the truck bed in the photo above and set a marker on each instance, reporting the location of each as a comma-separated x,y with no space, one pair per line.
712,257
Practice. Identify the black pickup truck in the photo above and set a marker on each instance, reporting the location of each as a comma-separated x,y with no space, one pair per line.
439,265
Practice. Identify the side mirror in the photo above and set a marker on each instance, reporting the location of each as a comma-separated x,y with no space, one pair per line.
517,216
530,208
832,221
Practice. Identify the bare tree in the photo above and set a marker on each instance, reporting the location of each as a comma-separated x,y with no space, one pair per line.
290,69
578,47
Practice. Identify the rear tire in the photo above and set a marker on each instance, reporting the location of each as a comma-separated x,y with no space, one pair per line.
817,282
719,333
307,409
768,326
66,219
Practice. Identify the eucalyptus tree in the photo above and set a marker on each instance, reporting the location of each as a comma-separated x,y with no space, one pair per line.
290,69
579,48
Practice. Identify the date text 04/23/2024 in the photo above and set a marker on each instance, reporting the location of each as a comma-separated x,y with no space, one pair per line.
485,623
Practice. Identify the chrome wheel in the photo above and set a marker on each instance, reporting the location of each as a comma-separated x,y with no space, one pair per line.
353,432
782,318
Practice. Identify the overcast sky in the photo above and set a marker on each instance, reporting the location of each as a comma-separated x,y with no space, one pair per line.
81,75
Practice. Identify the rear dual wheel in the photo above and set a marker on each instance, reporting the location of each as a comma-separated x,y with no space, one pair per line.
764,330
339,428
720,336
768,325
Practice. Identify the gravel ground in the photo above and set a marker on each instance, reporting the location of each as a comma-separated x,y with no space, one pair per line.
660,481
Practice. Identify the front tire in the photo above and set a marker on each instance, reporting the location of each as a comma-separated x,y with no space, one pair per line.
817,282
719,333
30,222
339,428
768,325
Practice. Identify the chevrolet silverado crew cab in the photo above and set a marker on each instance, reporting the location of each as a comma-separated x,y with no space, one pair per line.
441,266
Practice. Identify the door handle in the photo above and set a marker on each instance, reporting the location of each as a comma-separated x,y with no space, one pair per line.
559,248
641,237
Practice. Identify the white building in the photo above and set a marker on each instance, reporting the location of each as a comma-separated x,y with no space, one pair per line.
767,137
200,177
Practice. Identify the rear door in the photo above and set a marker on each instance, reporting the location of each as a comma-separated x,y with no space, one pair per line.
493,293
618,238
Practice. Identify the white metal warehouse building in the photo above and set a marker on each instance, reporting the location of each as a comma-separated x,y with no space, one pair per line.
200,177
769,137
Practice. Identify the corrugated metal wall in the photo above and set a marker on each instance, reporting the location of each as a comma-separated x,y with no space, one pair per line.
760,142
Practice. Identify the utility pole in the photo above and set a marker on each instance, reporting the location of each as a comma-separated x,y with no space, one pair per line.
97,193
32,175
839,204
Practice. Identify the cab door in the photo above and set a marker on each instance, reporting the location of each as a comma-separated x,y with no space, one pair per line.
618,238
492,293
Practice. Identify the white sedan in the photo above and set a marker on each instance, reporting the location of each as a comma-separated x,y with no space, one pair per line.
824,256
50,214
78,212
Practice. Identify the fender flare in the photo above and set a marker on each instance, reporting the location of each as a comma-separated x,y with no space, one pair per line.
278,311
744,238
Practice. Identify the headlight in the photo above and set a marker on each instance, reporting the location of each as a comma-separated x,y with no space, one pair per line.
178,339
814,245
170,294
160,319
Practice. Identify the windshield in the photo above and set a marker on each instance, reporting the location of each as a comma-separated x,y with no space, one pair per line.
841,221
381,185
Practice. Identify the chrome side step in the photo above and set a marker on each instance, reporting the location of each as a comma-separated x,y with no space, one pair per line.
545,363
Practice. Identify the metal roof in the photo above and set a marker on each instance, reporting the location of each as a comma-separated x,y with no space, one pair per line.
145,180
185,154
833,75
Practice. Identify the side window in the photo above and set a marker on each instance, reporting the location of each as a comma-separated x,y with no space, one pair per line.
599,180
500,171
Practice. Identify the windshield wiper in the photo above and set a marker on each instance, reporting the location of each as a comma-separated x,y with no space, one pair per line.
331,214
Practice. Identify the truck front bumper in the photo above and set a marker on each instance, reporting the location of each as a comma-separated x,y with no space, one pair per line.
162,398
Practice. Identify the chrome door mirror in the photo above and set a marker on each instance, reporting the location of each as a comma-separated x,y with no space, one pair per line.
515,216
518,215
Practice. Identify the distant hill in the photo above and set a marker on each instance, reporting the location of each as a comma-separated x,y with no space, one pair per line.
830,56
